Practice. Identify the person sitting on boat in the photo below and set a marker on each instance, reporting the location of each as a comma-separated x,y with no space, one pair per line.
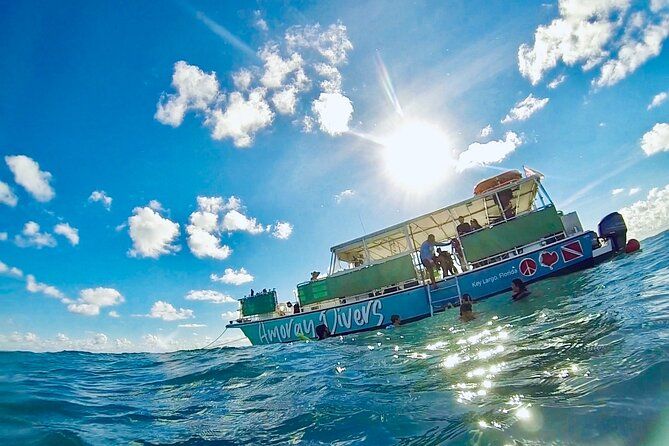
427,255
474,225
323,332
314,275
519,290
296,308
445,261
464,227
466,310
395,321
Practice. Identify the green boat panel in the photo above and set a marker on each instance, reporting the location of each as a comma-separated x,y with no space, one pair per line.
261,303
522,230
357,281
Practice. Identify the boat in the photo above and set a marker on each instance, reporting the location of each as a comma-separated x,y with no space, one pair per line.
374,279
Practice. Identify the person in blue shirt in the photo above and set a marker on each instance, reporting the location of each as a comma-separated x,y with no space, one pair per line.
427,256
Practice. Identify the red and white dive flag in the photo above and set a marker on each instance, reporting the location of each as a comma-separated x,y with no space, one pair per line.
572,251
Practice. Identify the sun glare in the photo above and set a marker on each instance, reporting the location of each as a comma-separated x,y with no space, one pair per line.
417,156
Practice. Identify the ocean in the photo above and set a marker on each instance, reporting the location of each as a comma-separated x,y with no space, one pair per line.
583,360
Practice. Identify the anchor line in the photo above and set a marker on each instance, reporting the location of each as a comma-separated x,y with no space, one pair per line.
219,337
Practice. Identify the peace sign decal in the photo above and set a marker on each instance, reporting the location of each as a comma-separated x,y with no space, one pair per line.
528,267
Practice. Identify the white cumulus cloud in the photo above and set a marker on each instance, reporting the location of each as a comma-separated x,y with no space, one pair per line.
28,175
233,277
333,112
656,140
658,100
7,195
67,231
242,117
102,197
192,325
525,108
236,221
34,286
152,234
203,231
167,312
485,131
195,90
482,154
648,217
210,296
92,299
10,270
617,191
557,81
31,237
277,68
343,195
282,230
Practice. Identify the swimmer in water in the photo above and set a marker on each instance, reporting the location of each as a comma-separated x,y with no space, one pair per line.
466,308
323,332
395,321
519,290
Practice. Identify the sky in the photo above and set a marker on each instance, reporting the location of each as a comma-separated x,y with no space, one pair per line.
160,161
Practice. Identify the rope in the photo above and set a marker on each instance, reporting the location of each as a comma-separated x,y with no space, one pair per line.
219,337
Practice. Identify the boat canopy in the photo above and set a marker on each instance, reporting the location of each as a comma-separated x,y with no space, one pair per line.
407,236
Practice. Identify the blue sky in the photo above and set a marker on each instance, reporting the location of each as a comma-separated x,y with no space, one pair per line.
297,122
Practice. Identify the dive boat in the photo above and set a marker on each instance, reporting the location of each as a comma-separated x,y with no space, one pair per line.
519,234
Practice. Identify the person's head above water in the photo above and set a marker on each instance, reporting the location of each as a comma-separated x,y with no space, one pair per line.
518,286
395,319
322,332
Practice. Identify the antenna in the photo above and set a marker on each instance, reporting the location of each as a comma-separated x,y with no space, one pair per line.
364,241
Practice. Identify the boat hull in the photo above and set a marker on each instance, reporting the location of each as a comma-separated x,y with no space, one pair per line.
562,257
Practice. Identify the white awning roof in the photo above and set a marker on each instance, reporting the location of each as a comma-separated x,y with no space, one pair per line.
442,223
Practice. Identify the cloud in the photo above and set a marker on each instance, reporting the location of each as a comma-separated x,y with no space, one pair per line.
191,325
635,51
7,195
28,175
152,235
656,140
32,237
230,315
617,191
242,118
282,230
276,88
242,79
634,191
113,314
67,231
195,90
588,33
525,108
260,23
233,277
333,112
648,217
92,299
210,296
482,154
3,236
333,43
10,270
203,232
236,221
343,195
485,131
557,81
277,69
33,286
165,311
102,197
658,100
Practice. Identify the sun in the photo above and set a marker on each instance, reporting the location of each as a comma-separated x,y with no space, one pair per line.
417,156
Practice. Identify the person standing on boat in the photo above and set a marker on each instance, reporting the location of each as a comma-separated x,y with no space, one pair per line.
427,255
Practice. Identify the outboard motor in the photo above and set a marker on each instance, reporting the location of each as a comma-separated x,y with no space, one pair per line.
614,228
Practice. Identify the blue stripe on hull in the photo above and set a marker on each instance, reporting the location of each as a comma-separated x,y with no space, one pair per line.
414,304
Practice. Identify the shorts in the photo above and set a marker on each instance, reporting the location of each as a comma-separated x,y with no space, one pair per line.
428,263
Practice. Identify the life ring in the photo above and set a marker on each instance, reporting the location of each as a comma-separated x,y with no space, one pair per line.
497,181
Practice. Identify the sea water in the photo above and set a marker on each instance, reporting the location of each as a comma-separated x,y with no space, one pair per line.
583,360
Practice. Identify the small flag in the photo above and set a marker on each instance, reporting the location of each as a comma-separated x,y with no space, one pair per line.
529,172
572,251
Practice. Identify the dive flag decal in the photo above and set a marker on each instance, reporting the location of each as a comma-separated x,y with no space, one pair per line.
572,251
